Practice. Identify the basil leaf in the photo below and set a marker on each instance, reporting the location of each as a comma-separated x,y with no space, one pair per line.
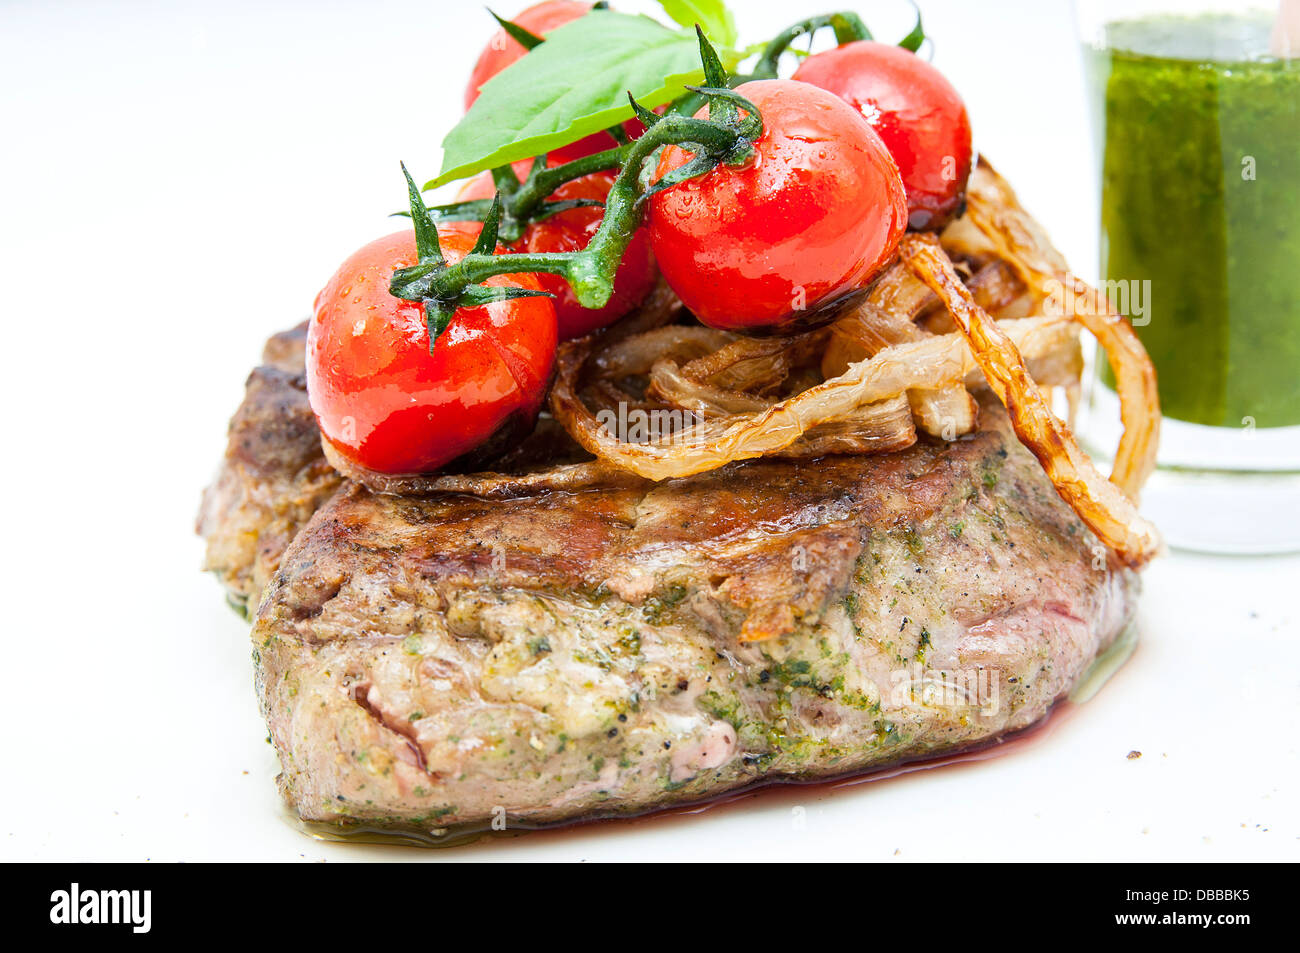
712,16
574,84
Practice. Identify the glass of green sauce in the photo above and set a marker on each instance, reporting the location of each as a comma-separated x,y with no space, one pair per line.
1197,121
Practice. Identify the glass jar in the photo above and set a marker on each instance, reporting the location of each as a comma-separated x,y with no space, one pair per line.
1196,109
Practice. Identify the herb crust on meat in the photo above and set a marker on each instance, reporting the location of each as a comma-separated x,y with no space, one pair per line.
430,664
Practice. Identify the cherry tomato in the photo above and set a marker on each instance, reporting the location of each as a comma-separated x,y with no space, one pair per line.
503,49
571,231
384,402
775,243
916,111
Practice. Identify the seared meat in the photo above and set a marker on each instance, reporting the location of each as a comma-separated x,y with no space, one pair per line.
273,476
435,664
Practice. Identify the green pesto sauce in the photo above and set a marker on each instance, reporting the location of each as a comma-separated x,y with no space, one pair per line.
1201,197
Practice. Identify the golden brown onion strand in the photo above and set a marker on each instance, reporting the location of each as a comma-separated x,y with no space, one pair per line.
1099,503
1018,239
932,362
946,412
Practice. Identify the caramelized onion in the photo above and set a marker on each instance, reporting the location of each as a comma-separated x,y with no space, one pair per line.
929,363
1099,503
755,364
567,479
946,412
668,383
873,428
951,313
995,211
660,307
880,427
713,443
637,353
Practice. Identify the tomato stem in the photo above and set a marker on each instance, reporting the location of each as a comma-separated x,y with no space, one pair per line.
726,138
591,271
848,27
523,203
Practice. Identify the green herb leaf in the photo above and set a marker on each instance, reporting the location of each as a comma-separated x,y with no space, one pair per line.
571,86
525,39
712,15
916,36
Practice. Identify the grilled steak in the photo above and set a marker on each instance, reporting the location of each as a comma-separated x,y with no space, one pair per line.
273,476
434,664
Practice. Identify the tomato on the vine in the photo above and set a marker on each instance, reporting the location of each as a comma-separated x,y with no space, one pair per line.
384,402
774,243
503,49
916,111
572,230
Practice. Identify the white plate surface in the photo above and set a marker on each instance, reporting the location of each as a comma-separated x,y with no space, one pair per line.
178,180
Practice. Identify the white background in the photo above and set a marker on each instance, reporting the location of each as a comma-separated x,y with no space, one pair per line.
178,180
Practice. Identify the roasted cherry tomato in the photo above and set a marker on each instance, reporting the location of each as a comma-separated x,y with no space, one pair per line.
571,231
916,111
774,243
503,49
384,402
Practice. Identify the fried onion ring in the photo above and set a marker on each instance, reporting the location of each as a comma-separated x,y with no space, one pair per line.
1019,240
1098,502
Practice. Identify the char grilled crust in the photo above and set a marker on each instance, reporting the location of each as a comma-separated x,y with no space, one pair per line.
425,664
273,476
